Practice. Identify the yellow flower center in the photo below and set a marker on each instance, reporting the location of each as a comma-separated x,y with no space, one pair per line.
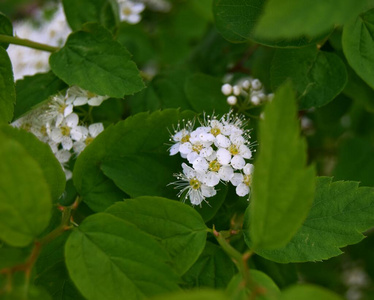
214,166
65,130
197,148
90,94
127,11
88,140
26,126
247,179
61,109
195,184
234,149
215,131
43,130
185,138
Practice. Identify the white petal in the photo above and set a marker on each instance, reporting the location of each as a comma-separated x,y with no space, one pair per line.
133,19
225,173
68,110
80,101
192,156
185,148
174,149
245,151
222,141
188,171
208,191
138,7
56,135
242,190
96,101
223,156
63,156
79,147
195,197
200,164
237,162
72,120
248,169
206,152
78,133
206,137
95,129
237,139
211,179
67,143
237,179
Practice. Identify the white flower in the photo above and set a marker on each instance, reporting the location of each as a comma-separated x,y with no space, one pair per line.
68,131
93,131
191,182
79,96
58,108
130,11
243,181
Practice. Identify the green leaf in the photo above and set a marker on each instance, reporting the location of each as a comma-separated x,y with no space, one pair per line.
7,90
341,211
43,155
308,292
320,17
33,90
11,256
6,28
133,155
283,187
104,12
213,269
51,272
25,204
92,60
201,86
27,292
180,230
237,290
195,295
358,45
108,258
236,20
318,76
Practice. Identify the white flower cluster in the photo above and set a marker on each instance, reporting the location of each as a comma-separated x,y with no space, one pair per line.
250,90
56,124
53,32
217,151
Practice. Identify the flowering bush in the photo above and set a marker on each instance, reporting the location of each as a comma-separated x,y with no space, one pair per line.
190,149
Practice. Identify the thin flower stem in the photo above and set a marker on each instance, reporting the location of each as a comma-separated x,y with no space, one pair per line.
241,262
27,43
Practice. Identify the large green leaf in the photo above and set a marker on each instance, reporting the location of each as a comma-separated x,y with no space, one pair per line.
283,187
341,211
25,204
236,20
213,269
5,28
109,258
92,60
104,12
178,227
133,155
294,18
43,155
358,45
308,292
33,90
7,90
318,76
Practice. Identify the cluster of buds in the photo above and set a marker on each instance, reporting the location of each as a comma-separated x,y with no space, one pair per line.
56,124
249,90
216,151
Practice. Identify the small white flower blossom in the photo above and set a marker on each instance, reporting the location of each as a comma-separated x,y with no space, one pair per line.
191,183
79,96
93,131
130,11
218,151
